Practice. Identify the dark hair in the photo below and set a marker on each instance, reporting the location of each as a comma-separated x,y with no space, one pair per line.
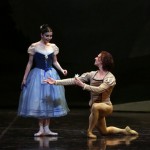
45,28
107,60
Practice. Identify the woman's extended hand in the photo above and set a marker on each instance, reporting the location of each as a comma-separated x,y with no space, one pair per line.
49,81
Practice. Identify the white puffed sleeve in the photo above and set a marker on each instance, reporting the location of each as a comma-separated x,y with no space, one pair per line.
31,49
55,48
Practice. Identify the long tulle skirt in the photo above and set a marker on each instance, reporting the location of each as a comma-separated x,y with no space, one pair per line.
42,100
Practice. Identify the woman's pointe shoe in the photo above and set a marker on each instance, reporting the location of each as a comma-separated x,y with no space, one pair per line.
91,135
129,131
40,133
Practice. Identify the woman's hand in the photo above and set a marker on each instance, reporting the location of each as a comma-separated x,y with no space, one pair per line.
65,72
23,83
50,81
78,82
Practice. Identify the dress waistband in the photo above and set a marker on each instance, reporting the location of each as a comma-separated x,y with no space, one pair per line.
43,68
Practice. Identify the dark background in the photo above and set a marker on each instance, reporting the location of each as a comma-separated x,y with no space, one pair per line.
82,28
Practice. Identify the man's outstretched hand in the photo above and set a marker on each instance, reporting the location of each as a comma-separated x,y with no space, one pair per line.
50,81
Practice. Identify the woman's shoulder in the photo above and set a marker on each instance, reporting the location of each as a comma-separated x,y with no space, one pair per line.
55,48
33,47
53,45
34,44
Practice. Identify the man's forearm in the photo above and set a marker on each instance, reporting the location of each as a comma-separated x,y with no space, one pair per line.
69,81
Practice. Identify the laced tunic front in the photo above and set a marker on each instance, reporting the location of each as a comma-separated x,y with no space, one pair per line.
38,99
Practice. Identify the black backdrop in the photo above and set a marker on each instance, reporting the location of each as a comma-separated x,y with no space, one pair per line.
81,30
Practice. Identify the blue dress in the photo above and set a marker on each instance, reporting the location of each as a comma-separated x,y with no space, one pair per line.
39,99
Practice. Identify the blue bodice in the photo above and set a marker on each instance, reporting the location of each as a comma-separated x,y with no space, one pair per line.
43,61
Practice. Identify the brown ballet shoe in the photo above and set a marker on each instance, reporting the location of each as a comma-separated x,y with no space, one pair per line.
91,135
129,131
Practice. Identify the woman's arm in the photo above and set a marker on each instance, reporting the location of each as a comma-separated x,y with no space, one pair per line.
57,65
28,68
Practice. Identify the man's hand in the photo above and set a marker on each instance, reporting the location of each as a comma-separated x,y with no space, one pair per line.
78,82
50,81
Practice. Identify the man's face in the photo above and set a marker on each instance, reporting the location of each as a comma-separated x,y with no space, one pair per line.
98,61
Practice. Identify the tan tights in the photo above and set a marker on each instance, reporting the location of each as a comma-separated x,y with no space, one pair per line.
97,119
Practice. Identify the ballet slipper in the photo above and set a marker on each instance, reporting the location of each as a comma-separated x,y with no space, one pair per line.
91,135
129,131
47,131
40,133
50,133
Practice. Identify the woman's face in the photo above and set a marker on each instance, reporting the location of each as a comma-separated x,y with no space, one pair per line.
46,37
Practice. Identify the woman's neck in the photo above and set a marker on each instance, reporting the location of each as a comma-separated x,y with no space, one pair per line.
44,43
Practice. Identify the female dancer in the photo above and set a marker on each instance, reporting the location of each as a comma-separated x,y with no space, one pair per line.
38,99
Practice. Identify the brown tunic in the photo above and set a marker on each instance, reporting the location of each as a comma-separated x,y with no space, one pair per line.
100,89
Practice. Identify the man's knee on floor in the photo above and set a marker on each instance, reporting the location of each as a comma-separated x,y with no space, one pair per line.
104,132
